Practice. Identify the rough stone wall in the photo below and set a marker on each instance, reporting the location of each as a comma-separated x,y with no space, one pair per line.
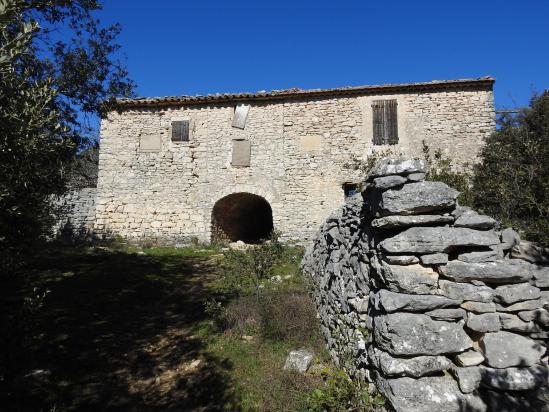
77,213
424,298
299,149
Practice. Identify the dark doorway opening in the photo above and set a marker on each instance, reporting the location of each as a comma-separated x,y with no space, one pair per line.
242,216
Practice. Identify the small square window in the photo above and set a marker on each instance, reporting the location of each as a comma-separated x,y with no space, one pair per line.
350,189
180,131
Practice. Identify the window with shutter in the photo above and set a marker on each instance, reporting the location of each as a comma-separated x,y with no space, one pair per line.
180,131
385,122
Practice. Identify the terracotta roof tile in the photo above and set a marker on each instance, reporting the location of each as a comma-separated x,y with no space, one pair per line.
295,93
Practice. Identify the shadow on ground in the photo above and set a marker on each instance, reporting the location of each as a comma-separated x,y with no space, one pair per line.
120,331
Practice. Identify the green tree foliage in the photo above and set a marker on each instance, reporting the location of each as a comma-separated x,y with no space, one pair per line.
34,144
49,84
83,172
511,182
80,56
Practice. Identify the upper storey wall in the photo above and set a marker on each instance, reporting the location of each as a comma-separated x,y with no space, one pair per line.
299,149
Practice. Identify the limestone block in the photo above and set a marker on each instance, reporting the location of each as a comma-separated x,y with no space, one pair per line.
515,379
479,307
299,360
516,324
388,182
447,314
428,394
409,279
478,257
437,239
505,349
397,166
416,177
390,222
486,322
434,259
468,377
509,294
400,259
391,302
499,272
418,198
540,316
417,334
465,291
522,306
414,367
470,218
469,358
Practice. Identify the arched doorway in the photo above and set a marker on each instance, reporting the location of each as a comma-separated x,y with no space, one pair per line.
242,216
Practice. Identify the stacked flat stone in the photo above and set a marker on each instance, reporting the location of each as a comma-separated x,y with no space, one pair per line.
453,320
75,213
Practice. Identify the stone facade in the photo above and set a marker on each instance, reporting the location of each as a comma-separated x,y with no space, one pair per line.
429,301
301,142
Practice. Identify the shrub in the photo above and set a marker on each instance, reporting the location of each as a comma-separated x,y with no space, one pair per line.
288,316
512,181
340,393
262,290
365,166
245,272
241,315
280,316
442,169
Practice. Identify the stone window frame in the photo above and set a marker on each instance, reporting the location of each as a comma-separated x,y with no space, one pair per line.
191,130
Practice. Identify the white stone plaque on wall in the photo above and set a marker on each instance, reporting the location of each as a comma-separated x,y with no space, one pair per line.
240,115
150,143
241,153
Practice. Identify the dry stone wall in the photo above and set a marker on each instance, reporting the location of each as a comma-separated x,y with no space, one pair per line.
299,152
76,216
424,298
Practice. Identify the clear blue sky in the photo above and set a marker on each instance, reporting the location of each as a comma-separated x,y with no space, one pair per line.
205,46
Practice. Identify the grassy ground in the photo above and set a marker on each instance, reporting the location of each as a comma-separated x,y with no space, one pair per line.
126,329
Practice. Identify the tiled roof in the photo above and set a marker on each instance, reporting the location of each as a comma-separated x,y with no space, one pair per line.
435,85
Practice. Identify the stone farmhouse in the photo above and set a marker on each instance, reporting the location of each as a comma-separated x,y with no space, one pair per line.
236,165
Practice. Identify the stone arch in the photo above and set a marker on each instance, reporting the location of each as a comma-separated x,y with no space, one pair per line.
265,191
241,216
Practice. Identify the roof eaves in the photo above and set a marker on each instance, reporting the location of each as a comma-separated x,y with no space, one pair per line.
295,93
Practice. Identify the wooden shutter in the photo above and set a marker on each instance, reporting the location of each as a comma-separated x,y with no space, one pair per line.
385,122
180,131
